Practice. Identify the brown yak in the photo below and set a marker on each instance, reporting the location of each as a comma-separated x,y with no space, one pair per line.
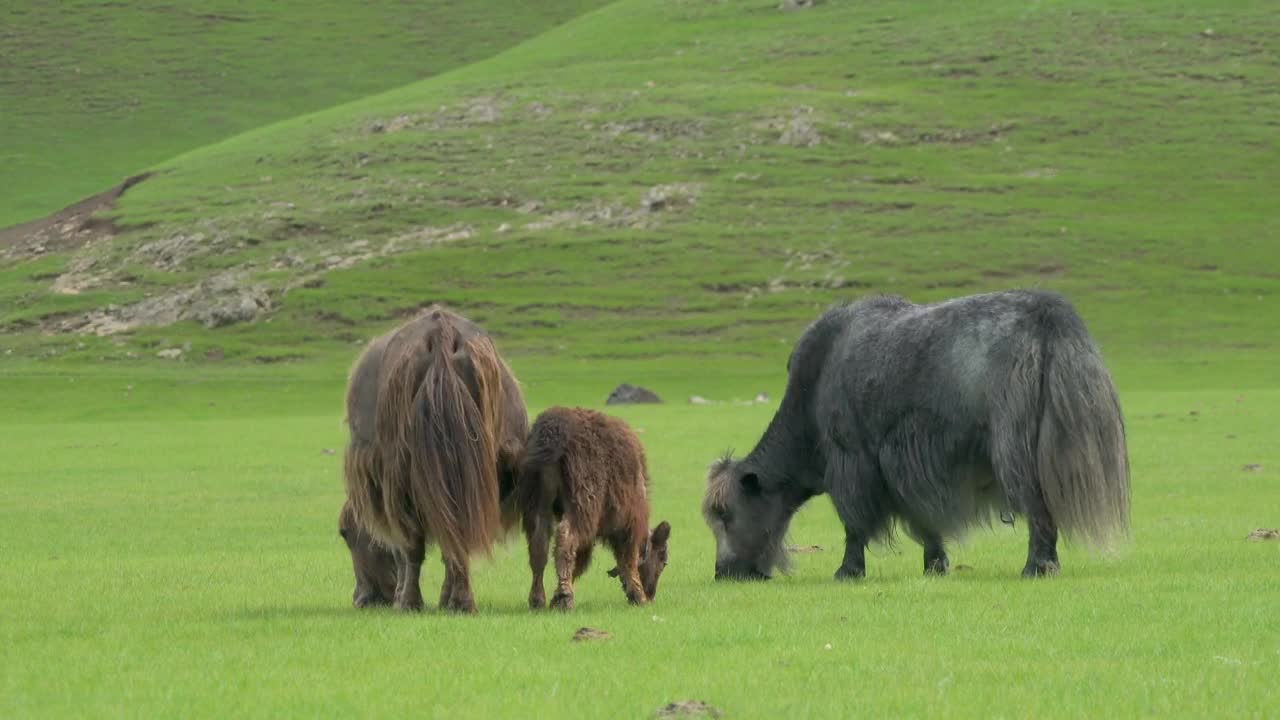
437,426
588,470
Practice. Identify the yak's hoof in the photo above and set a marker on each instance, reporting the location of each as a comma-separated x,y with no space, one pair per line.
1040,568
937,566
537,602
410,604
562,601
462,606
368,601
845,573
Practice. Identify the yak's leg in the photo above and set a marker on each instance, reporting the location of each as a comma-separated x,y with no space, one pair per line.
1015,470
402,571
408,592
458,584
566,553
537,531
935,557
854,565
1014,463
856,491
626,550
446,587
1042,545
935,552
583,560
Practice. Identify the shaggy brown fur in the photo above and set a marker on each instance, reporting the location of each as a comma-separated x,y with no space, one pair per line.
437,428
588,470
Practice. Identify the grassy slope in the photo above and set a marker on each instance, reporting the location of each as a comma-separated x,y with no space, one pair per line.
174,536
91,92
1111,151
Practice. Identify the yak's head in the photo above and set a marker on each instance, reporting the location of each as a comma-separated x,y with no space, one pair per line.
374,565
653,559
748,519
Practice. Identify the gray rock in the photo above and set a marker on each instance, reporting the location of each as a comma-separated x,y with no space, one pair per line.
626,394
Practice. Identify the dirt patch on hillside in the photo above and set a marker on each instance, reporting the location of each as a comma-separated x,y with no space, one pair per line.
217,301
68,229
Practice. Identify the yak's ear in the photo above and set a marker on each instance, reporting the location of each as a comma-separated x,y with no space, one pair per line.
750,483
661,534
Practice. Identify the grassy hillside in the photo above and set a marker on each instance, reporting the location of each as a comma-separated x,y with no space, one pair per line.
91,92
1120,152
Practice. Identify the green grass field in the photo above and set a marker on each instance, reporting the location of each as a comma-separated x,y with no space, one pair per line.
661,192
170,549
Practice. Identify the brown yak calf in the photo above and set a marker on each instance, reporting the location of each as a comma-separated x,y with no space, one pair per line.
588,470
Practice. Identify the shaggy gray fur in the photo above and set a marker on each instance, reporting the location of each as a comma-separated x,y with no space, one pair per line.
934,415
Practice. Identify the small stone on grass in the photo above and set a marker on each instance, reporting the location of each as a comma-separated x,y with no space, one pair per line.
587,633
688,708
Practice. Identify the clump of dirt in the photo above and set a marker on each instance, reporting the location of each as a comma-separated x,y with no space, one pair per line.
395,124
426,236
993,133
655,130
472,112
78,277
688,708
585,634
797,4
798,130
68,229
596,214
670,197
1252,467
538,111
657,199
825,260
469,113
173,252
879,137
804,549
1264,534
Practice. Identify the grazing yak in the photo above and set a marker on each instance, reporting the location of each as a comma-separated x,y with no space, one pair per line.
588,470
437,425
934,416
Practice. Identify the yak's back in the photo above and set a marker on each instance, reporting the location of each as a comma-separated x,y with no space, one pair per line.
365,381
587,438
600,462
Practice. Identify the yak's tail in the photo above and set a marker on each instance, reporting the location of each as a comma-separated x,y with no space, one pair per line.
548,443
444,399
1081,455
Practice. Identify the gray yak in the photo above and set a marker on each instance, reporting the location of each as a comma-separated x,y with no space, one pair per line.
933,417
